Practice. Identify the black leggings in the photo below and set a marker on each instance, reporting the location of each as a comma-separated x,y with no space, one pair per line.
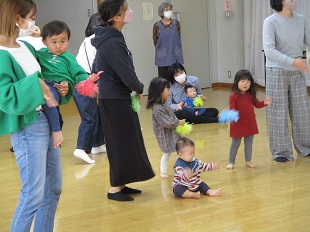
179,190
210,116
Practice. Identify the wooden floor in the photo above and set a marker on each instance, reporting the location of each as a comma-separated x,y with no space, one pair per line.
272,197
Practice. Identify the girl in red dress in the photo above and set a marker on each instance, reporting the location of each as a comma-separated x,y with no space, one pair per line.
242,99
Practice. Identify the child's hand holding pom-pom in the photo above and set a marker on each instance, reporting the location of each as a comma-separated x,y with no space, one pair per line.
184,129
228,116
135,103
89,87
198,101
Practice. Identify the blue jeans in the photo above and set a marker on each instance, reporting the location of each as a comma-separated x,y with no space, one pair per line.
192,110
41,178
90,131
52,113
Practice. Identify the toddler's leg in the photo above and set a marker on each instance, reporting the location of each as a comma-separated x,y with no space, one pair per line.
205,189
164,165
235,143
52,115
182,191
248,142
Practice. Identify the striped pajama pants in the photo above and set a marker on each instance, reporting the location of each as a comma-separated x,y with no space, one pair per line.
288,92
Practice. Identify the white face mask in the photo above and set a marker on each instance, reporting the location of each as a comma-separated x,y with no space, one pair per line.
168,14
181,78
30,29
291,5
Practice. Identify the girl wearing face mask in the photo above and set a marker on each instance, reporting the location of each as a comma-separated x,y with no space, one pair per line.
124,143
285,35
178,79
167,40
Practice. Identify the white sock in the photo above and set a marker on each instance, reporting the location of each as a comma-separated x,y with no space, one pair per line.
100,149
82,155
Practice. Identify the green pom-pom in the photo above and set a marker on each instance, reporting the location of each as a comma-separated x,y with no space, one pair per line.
198,102
185,129
135,104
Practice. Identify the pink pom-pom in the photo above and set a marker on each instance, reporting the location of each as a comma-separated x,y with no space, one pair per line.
87,88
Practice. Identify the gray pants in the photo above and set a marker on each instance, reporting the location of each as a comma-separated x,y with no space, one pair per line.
288,92
235,144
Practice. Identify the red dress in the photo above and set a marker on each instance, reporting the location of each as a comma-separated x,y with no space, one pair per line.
246,125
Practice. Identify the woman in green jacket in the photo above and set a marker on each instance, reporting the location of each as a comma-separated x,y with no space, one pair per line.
21,96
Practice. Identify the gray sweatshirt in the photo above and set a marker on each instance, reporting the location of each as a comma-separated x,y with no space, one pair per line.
285,39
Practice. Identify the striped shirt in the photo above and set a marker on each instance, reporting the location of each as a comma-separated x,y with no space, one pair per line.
190,181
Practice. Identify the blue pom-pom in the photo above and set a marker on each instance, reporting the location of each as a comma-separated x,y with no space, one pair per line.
228,116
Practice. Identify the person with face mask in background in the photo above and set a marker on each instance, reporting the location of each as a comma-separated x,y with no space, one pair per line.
178,80
285,35
124,142
167,40
22,93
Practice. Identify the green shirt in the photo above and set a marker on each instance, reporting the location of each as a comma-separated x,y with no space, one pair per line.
63,67
20,95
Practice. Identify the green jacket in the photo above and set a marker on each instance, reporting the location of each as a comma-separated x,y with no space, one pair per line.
61,68
20,95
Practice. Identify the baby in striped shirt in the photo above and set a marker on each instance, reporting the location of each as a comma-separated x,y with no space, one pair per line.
187,169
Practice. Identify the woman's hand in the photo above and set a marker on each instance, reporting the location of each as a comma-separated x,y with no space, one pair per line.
139,97
62,88
301,65
179,106
48,95
203,97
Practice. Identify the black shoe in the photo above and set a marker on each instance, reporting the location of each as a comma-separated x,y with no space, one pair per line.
308,154
119,196
128,190
11,149
281,159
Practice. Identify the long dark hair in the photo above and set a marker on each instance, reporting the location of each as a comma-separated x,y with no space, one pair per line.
244,75
156,88
109,9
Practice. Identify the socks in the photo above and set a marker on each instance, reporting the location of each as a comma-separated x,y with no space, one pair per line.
100,149
281,159
82,155
119,196
128,190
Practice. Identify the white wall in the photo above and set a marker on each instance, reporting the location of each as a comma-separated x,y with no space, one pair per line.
212,44
74,12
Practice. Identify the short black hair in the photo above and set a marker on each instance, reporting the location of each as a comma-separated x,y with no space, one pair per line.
173,69
188,86
55,27
277,5
183,142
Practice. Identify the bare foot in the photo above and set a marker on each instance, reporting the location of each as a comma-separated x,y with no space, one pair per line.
216,192
196,195
250,165
230,166
58,138
164,176
190,194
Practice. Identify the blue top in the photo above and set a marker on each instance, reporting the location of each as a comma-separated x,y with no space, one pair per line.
168,49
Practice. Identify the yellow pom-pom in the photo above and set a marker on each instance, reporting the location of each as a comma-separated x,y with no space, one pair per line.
185,129
198,102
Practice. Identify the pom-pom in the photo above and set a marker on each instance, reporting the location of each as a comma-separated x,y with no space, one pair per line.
87,88
228,116
135,104
184,129
198,102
